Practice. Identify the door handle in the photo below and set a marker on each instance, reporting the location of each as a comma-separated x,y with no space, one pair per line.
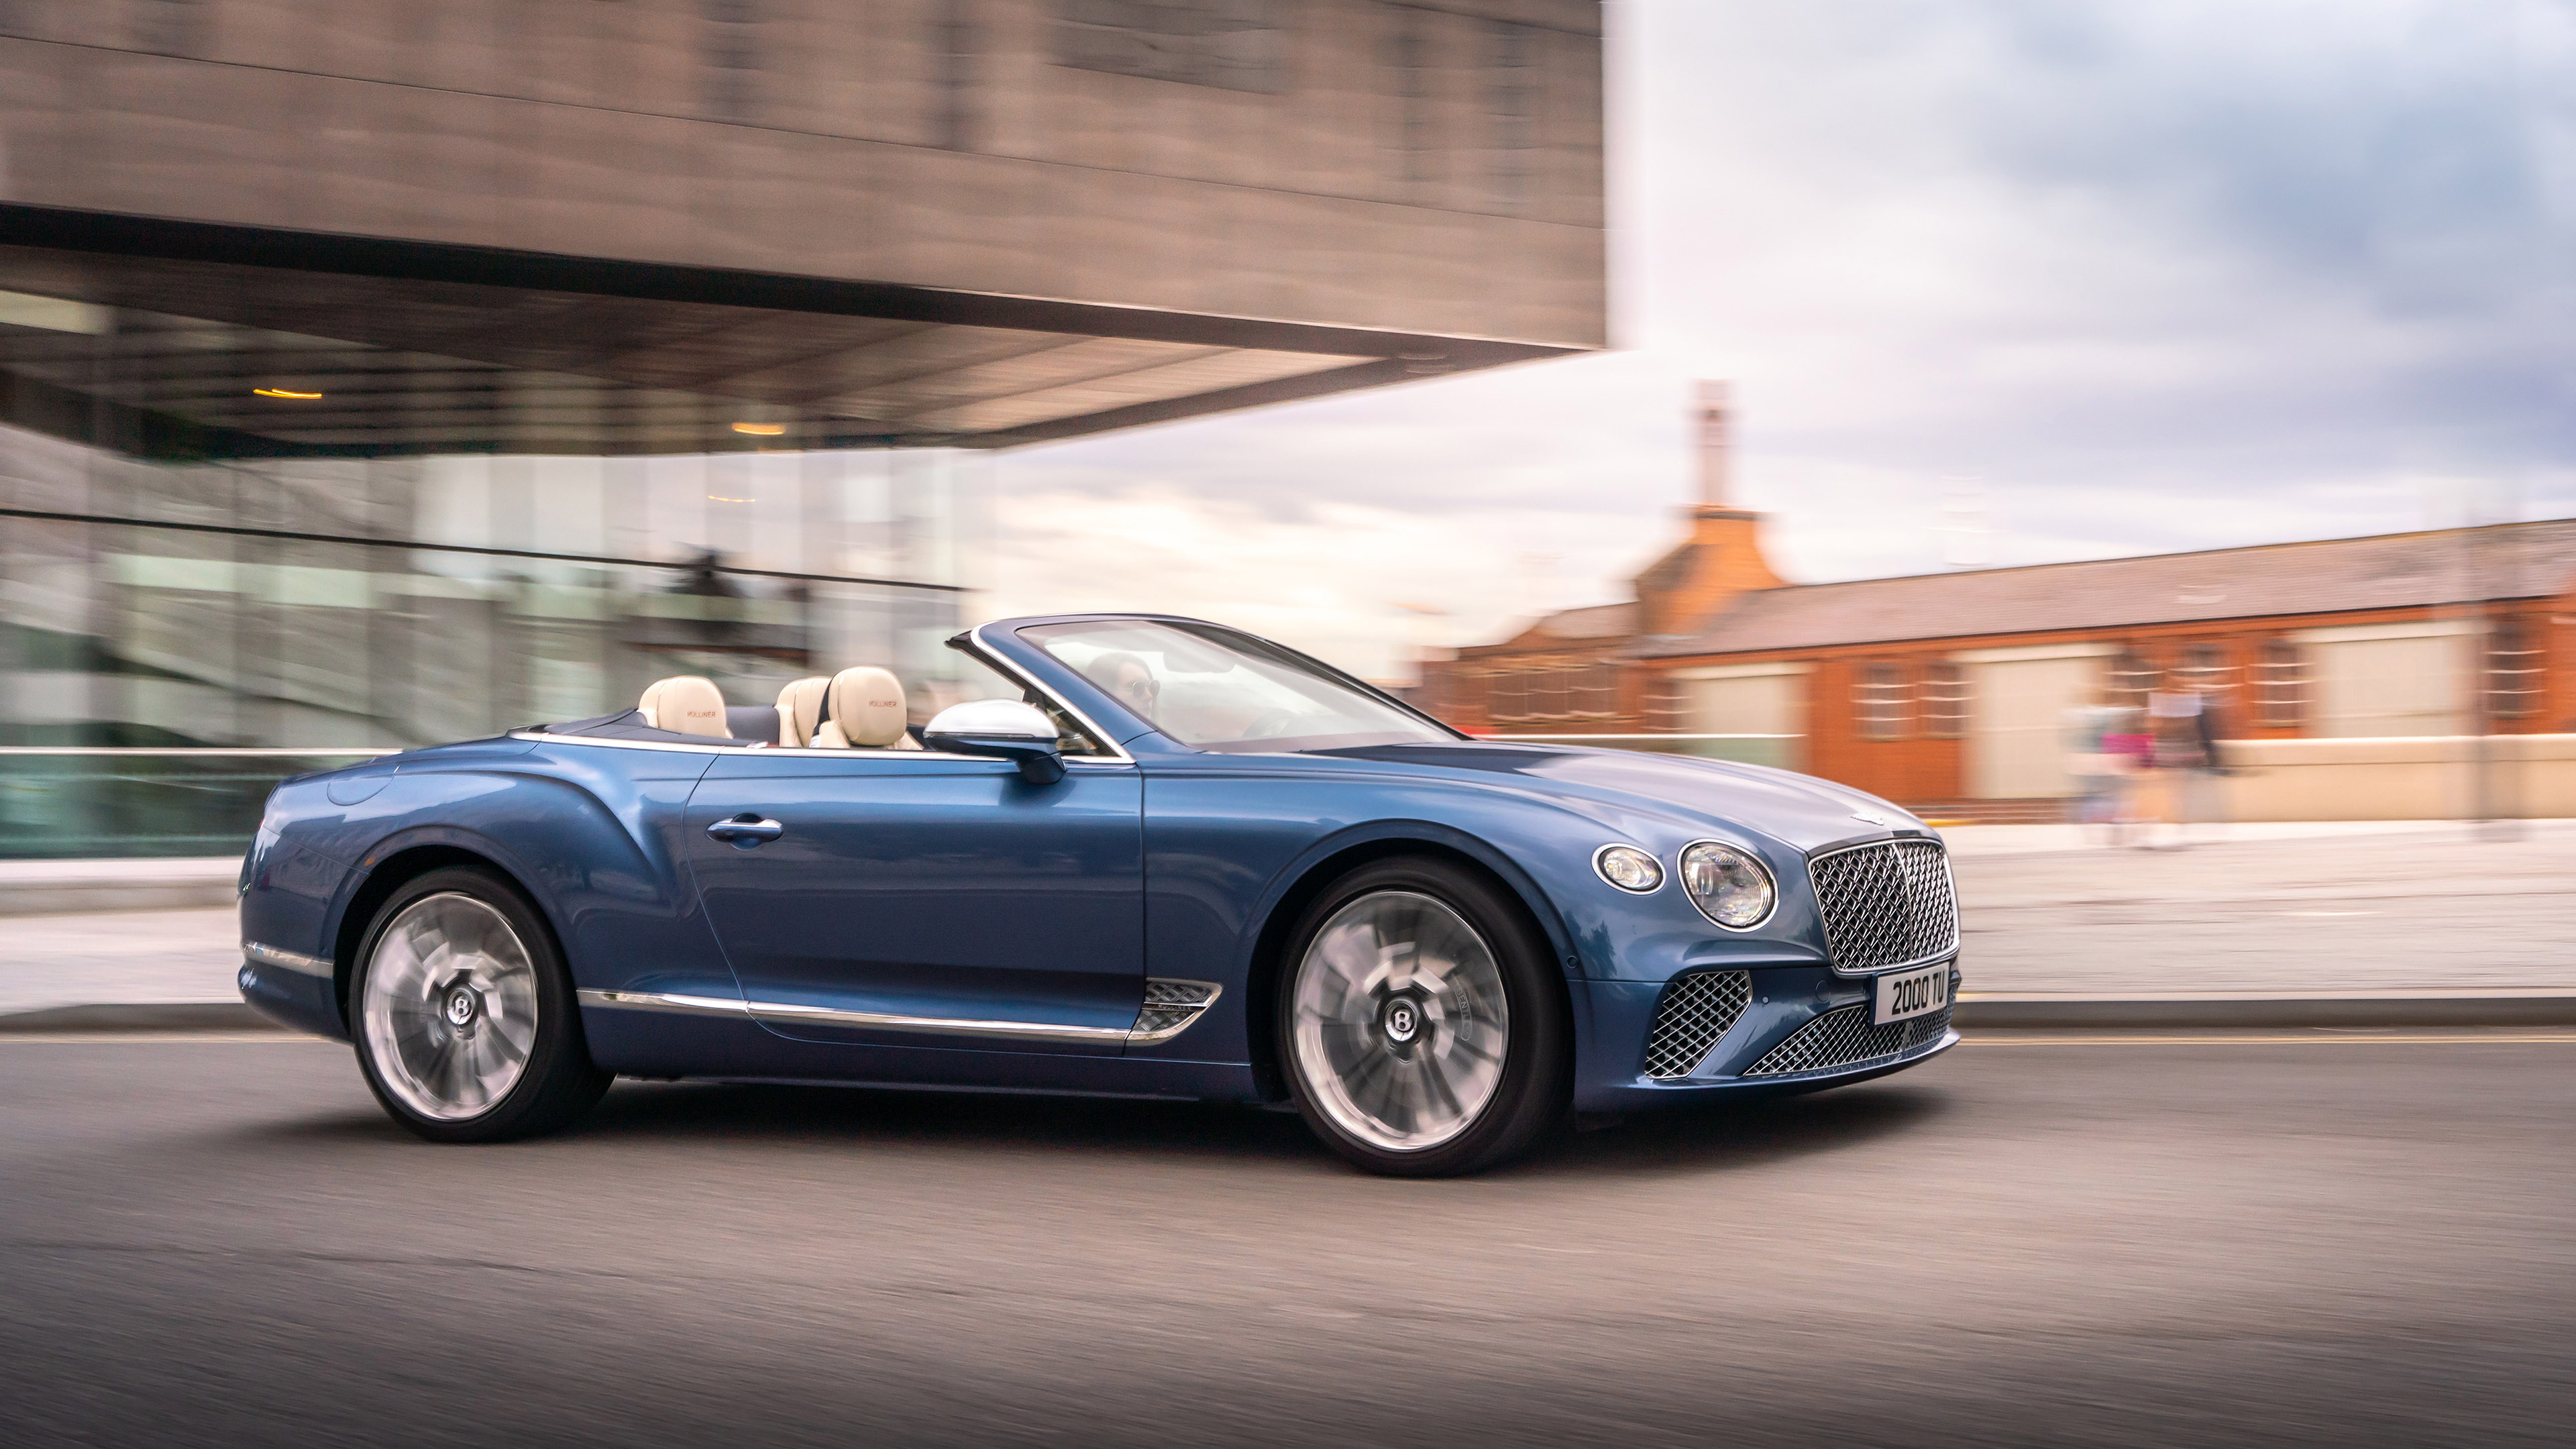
746,831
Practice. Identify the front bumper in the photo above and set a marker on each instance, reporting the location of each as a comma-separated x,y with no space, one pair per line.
1794,1016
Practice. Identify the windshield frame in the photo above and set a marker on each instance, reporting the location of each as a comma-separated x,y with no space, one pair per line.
1022,632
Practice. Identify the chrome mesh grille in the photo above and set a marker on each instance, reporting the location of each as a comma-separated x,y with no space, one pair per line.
1845,1038
1169,1004
1886,904
1696,1012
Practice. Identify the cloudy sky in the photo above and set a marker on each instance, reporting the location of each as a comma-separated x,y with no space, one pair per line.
2001,280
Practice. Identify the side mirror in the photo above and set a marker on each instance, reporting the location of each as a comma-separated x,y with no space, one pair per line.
1003,728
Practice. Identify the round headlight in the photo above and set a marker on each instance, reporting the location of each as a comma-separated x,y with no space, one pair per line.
1728,885
1628,868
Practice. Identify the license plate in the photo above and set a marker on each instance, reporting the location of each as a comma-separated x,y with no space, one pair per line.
1911,993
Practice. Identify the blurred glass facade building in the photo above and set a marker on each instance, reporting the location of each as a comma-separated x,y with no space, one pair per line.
393,370
323,602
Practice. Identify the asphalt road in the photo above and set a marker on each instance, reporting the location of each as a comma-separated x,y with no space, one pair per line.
2328,1238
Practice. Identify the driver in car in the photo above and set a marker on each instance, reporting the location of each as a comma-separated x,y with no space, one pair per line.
1130,679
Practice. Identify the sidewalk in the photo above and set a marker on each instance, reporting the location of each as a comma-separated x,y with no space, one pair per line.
120,958
2341,910
59,887
2393,911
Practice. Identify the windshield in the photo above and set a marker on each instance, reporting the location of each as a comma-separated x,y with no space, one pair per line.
1215,689
979,680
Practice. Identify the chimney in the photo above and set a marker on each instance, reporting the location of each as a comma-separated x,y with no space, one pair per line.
1716,445
1721,557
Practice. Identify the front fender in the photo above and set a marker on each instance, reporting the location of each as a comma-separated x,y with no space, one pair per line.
1299,871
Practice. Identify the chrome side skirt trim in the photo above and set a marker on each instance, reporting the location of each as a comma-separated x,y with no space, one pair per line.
268,955
780,1011
682,1004
1160,1014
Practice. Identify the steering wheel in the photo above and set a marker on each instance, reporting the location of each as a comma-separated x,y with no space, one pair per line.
1269,725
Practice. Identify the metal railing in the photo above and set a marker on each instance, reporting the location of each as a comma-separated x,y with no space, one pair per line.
73,802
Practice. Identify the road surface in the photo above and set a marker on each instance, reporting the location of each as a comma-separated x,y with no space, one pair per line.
2313,1237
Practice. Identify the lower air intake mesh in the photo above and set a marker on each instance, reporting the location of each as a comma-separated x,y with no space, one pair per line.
1695,1013
1846,1039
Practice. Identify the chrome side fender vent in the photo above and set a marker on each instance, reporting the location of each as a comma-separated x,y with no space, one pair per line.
1170,1008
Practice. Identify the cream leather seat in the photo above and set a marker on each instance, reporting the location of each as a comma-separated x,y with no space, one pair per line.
685,704
863,708
800,710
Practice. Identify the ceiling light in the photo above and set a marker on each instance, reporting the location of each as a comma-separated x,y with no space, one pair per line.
761,430
282,392
55,314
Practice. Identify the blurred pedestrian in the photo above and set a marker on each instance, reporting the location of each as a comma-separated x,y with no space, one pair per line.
2101,767
2186,767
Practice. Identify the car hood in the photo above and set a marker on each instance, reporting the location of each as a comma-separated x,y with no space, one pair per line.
1801,811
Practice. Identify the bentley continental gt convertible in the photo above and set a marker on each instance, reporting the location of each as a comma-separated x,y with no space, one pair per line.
1168,859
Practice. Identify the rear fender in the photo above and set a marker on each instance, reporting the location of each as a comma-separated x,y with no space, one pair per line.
604,877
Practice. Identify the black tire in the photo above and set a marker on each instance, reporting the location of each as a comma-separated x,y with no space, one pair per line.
423,1052
1361,1070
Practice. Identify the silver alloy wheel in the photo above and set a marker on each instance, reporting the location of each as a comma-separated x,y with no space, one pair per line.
450,1008
1401,1023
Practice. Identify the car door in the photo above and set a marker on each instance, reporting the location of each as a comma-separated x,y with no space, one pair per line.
908,898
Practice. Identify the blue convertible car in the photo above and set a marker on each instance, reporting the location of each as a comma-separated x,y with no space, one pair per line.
1183,862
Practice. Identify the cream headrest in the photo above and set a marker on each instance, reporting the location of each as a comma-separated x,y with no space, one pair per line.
685,704
800,709
866,710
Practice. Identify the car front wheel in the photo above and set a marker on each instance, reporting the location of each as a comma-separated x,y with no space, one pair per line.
1422,1021
464,1013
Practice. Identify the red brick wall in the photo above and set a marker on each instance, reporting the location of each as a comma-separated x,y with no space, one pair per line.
1919,768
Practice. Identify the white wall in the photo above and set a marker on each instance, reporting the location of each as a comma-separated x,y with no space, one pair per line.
2408,778
2384,681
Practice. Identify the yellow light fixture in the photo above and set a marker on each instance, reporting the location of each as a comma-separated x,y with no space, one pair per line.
282,392
761,430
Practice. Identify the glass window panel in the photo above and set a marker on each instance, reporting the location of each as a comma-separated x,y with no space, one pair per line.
1882,699
1945,699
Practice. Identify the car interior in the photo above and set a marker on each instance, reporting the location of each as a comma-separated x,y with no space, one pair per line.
860,708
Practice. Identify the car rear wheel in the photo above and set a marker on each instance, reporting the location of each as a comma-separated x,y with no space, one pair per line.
1422,1021
464,1012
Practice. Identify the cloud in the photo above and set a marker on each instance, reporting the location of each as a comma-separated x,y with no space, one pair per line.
2137,278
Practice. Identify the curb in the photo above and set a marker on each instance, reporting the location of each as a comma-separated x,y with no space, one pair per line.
89,898
2544,1006
139,1017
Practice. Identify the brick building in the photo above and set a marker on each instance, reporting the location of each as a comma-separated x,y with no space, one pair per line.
1949,691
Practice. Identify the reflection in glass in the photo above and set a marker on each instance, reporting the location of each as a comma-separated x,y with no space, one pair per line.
1215,689
367,515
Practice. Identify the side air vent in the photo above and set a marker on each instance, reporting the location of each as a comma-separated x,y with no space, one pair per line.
1845,1038
1170,1006
1696,1012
